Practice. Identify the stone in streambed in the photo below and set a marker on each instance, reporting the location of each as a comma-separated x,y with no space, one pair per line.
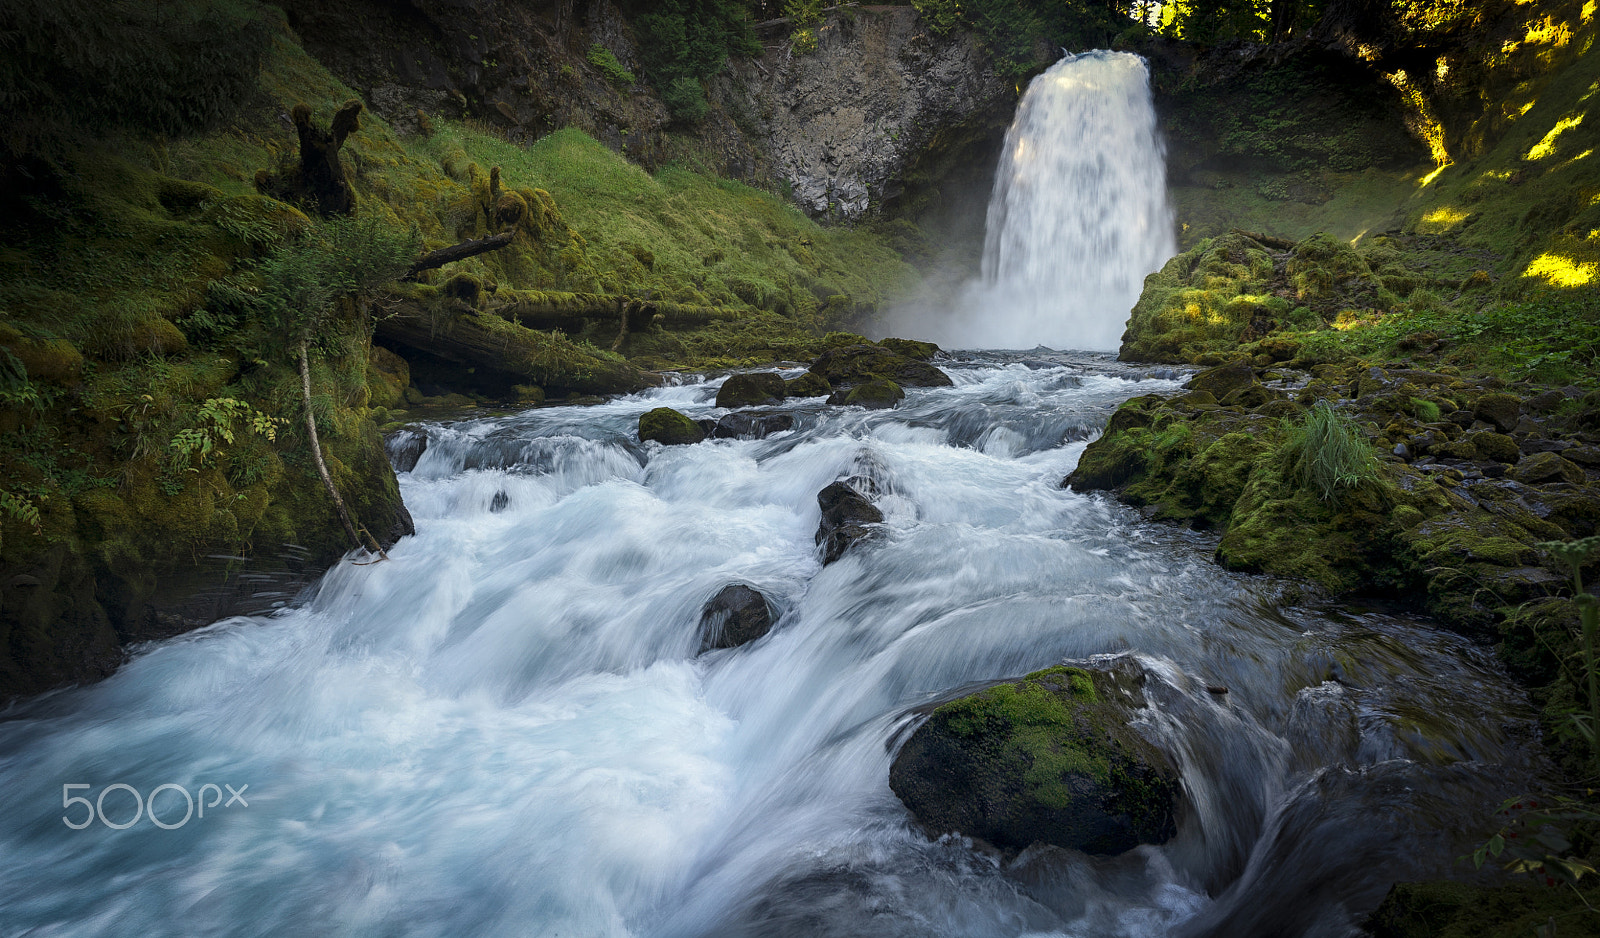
877,394
751,425
1048,758
809,384
858,364
747,389
669,427
735,616
846,518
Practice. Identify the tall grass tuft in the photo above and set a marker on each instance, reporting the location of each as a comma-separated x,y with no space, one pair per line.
1326,454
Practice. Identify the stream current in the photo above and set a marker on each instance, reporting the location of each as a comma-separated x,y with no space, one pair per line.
505,730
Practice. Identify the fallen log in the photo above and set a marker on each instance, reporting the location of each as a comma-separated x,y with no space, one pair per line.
458,252
551,309
482,340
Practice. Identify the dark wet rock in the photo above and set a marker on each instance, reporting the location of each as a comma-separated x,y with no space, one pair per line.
744,390
911,348
1547,467
1440,908
809,384
1224,379
847,517
1049,758
1401,451
858,364
499,502
669,427
1588,456
735,616
1546,402
752,425
1461,418
1502,411
877,394
404,447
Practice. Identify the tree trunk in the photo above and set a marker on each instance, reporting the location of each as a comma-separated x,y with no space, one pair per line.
458,252
316,451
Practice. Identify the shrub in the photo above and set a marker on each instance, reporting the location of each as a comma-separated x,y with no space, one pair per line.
1325,454
686,100
606,61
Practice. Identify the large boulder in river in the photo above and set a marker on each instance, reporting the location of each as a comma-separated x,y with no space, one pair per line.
858,364
1048,758
847,517
809,384
736,615
669,427
911,348
877,394
763,387
751,425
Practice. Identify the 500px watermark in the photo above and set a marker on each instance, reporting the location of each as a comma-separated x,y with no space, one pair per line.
142,805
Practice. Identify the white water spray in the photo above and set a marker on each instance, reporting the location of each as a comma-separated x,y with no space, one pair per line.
1078,216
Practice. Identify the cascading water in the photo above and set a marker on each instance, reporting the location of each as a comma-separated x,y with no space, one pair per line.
505,730
1078,216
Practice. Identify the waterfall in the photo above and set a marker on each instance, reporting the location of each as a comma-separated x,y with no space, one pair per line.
1077,218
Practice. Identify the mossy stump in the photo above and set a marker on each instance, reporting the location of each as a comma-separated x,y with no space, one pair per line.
1048,758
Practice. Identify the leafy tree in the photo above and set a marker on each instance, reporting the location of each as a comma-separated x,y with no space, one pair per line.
691,40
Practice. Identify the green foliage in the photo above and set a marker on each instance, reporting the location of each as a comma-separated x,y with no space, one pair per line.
292,291
606,61
1012,29
71,66
1326,454
691,39
686,99
215,428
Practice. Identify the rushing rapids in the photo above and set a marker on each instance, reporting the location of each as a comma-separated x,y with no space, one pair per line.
1078,216
505,728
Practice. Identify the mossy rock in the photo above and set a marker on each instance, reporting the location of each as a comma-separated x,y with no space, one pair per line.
1224,380
850,365
877,394
669,428
1191,308
54,360
911,348
746,390
809,384
1547,467
1049,758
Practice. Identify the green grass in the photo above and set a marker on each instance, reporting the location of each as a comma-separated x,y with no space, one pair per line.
1325,454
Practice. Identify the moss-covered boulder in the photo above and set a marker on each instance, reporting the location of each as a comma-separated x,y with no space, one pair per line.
911,348
809,384
1202,301
669,427
1049,758
877,394
745,390
857,364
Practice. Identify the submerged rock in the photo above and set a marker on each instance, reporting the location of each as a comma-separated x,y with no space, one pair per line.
1048,758
735,616
751,425
404,447
744,390
846,516
669,427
